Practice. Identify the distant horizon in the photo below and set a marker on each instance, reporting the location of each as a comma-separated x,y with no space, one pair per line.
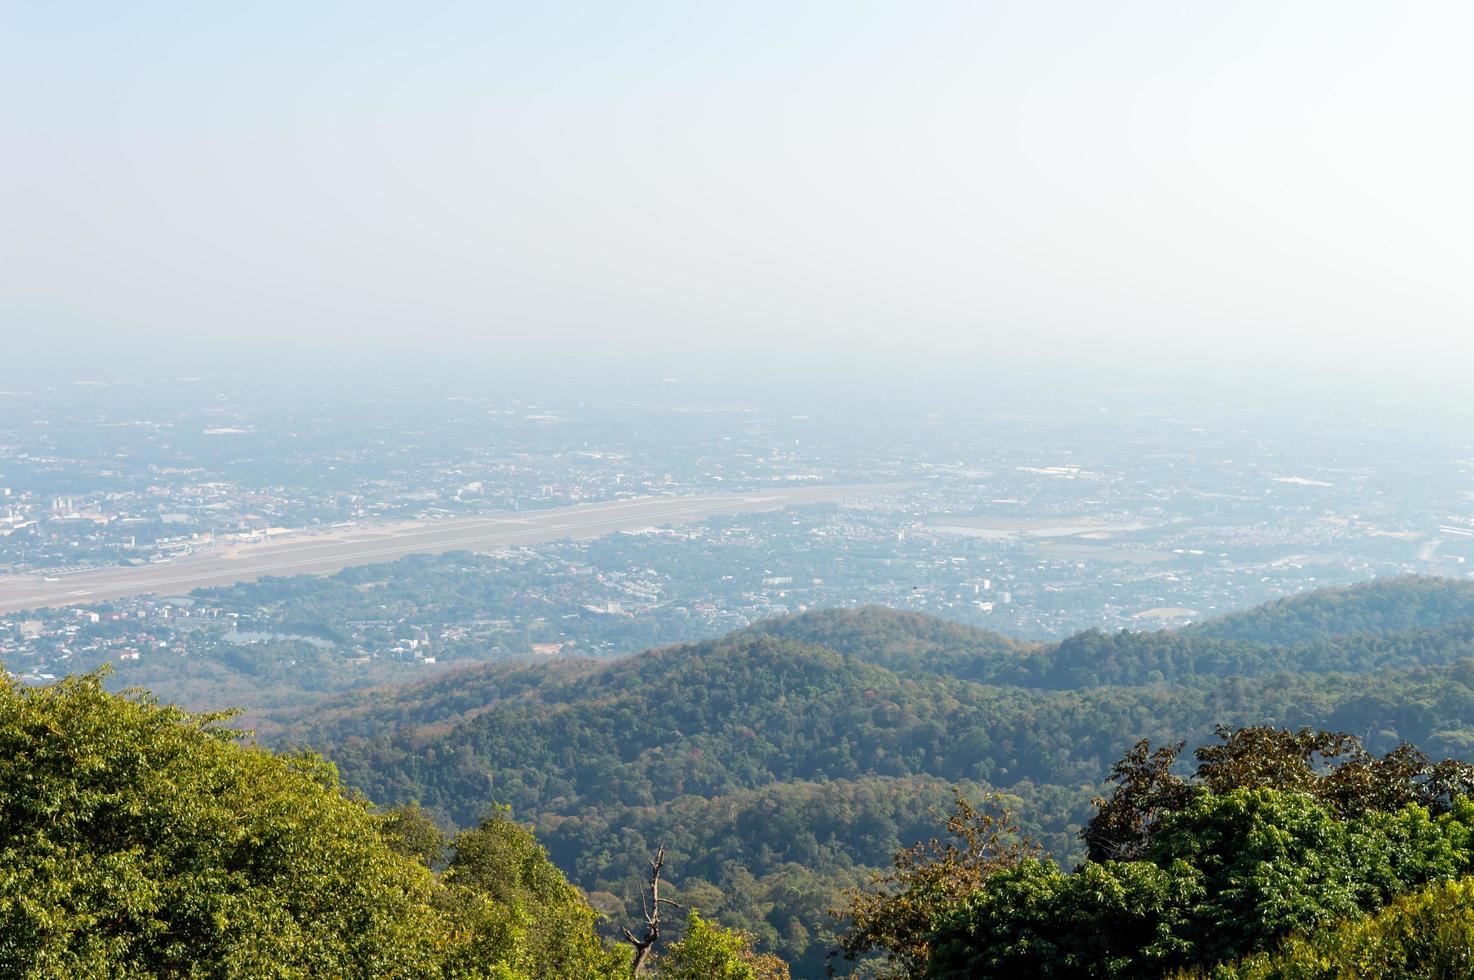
891,379
1141,189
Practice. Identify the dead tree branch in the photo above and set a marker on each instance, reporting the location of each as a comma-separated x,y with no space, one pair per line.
650,903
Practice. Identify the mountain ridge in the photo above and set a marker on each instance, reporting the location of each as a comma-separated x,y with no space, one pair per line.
741,749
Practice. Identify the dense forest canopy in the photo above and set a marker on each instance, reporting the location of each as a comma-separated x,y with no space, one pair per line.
1277,835
138,841
781,770
785,762
1389,605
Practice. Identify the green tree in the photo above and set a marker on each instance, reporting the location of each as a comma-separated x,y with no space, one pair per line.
897,915
1272,863
709,952
1146,790
1427,935
1117,919
137,840
514,906
1226,876
411,831
1331,767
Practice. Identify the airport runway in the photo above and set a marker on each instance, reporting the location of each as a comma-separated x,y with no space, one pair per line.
327,551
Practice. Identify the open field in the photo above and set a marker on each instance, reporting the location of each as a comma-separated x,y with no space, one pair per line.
328,551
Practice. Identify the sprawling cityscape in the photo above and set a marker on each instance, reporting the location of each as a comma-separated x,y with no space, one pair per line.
756,491
591,535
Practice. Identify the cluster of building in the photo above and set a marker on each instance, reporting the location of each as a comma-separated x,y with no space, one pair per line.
1028,525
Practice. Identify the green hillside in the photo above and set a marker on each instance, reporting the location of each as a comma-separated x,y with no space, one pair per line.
140,841
782,768
1383,606
904,641
868,711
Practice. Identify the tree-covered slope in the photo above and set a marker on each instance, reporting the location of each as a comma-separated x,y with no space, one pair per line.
775,859
1408,621
137,840
927,647
904,641
1425,935
718,718
1389,605
742,751
1096,658
1278,834
140,841
755,801
780,765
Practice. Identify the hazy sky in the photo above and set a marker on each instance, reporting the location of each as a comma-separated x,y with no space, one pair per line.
1240,182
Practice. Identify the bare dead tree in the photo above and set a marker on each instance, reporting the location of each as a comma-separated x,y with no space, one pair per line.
651,902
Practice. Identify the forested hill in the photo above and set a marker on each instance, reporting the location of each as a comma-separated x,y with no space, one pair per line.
1382,606
783,760
904,640
1412,621
1408,621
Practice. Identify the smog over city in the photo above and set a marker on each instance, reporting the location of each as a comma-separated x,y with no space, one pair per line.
698,448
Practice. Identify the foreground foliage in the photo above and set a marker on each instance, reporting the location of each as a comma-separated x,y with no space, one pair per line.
1428,935
137,840
1278,833
1229,875
786,762
709,952
781,766
901,909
